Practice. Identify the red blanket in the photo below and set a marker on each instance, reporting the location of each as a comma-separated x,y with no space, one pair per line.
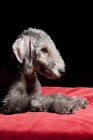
51,126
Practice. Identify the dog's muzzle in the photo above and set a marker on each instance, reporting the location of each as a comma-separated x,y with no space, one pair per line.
61,71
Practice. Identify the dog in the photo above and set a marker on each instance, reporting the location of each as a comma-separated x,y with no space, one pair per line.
20,91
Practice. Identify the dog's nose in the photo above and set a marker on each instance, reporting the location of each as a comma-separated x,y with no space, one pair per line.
61,71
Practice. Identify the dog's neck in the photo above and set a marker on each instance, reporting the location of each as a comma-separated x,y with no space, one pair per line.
32,82
30,77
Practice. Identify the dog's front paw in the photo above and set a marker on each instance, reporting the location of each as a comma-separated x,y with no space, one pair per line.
70,106
65,107
7,106
4,108
80,101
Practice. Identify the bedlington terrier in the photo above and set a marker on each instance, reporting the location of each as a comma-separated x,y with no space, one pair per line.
20,90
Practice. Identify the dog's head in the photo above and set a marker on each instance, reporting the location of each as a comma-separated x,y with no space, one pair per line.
36,49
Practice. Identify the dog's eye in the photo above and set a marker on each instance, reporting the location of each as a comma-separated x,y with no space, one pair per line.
44,50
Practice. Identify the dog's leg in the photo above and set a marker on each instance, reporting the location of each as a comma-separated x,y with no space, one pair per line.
12,105
58,103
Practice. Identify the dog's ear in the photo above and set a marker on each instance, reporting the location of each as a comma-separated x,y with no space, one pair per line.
21,46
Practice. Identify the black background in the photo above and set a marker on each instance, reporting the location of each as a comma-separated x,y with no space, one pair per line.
70,27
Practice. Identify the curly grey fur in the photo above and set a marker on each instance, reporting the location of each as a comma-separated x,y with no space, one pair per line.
20,90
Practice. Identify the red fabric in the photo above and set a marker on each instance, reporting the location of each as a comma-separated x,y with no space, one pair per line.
51,126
